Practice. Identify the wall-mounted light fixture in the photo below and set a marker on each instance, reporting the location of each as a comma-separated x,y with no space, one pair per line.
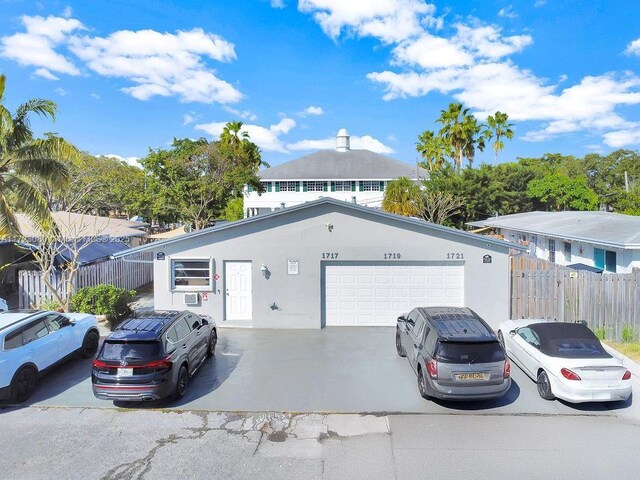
329,227
265,271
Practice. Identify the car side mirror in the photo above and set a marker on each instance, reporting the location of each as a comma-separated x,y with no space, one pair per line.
512,332
204,322
401,319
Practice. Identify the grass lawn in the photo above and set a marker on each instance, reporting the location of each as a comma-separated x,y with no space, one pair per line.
631,350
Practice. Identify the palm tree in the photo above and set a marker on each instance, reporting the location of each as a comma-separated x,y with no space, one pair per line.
433,149
24,159
403,197
499,127
460,128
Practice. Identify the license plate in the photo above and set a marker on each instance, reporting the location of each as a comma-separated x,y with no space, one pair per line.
465,377
125,372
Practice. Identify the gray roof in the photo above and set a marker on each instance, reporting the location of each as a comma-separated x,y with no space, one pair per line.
601,228
349,165
324,200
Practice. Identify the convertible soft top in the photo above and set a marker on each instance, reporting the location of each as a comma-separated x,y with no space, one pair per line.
568,340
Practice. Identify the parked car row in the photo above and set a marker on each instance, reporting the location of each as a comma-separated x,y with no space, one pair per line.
457,356
148,357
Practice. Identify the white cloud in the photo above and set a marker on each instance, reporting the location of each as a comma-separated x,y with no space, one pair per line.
163,64
60,91
278,3
44,73
95,96
134,161
388,20
266,138
243,114
365,142
507,12
633,48
311,110
67,12
37,46
623,138
539,3
156,64
188,118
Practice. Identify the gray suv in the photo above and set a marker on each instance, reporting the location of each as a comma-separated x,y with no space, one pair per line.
454,353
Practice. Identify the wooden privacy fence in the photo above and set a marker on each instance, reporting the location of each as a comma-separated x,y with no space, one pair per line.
604,301
128,274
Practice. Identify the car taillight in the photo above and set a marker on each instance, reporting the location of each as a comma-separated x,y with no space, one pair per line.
432,368
507,369
627,375
99,363
569,375
157,364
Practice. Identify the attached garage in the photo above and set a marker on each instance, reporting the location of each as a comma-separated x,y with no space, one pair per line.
328,263
375,294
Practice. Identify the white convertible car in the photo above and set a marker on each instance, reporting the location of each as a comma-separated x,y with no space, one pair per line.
566,360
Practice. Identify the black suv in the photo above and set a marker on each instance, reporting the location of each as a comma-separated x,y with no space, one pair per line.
152,356
454,353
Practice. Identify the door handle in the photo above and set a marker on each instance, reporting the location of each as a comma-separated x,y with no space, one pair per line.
184,346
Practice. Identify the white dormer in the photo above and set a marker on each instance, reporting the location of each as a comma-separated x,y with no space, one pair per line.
343,141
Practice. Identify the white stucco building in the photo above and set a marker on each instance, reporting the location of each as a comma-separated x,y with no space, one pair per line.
358,176
604,241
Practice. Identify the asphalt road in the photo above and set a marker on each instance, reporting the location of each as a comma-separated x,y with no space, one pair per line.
75,443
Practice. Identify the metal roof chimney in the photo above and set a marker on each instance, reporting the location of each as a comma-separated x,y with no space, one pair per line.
343,141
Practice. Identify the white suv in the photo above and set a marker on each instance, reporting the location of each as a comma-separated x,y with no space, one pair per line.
31,342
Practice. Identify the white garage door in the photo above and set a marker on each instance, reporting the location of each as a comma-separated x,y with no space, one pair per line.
378,294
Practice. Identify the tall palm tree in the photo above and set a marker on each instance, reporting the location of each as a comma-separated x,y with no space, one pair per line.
499,128
460,128
434,150
403,197
23,159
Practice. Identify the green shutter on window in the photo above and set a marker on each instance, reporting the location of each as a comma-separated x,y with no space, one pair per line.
268,186
297,186
324,187
353,186
361,186
304,186
382,186
277,186
333,186
250,188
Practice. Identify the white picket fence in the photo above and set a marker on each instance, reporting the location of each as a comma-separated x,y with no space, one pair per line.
128,274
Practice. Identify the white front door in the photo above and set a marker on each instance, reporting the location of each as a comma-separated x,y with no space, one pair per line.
375,295
237,279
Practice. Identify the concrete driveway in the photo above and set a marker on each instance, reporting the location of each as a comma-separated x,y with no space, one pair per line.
331,370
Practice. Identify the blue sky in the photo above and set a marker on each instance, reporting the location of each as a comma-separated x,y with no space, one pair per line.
132,75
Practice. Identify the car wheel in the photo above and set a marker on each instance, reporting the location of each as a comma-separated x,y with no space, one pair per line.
544,386
211,347
23,384
422,385
89,344
399,348
183,381
501,338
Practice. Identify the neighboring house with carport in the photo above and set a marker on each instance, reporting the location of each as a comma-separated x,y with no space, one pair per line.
602,241
328,263
96,238
358,176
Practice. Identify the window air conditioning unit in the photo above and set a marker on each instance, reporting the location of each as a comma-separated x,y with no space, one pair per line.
191,298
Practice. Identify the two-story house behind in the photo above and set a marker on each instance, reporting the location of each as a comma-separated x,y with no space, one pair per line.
358,176
604,241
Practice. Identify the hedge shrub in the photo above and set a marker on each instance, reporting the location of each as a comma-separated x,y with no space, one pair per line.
104,300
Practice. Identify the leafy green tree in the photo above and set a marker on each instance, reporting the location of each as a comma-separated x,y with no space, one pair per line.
498,127
24,159
402,196
559,192
433,149
462,131
234,210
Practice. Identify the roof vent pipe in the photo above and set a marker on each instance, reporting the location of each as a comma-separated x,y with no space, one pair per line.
343,141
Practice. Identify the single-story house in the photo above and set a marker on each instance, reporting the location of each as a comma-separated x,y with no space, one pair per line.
328,263
604,241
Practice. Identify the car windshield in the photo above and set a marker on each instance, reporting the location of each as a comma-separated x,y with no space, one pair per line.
467,352
117,351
